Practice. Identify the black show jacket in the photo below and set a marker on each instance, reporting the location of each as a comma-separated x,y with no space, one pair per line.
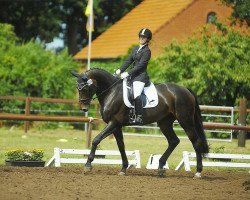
138,70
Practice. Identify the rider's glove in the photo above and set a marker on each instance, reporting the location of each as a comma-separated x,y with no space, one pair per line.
118,72
124,75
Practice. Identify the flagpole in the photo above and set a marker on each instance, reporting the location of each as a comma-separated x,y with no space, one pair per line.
89,45
90,33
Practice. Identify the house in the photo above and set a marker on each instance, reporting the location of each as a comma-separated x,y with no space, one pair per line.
167,19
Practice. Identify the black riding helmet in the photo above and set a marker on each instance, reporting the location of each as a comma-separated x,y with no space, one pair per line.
146,33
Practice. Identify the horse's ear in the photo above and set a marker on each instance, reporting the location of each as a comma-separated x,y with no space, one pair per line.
74,73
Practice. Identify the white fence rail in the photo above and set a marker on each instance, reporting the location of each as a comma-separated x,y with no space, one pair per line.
225,160
226,114
57,158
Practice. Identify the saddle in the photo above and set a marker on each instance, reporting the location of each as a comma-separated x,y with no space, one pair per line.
149,96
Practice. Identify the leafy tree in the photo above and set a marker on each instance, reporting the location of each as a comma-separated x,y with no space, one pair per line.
7,36
215,65
29,70
32,19
47,19
241,9
105,14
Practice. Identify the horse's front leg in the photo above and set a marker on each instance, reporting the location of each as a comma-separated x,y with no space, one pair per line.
120,143
103,134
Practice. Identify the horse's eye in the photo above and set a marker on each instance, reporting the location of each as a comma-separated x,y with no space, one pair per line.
80,86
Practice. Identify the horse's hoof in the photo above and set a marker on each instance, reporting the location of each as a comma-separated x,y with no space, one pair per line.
121,173
197,175
161,172
87,169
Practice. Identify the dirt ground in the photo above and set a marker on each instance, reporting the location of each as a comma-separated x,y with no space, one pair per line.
103,183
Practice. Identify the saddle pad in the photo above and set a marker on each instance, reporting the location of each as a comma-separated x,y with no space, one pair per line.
150,92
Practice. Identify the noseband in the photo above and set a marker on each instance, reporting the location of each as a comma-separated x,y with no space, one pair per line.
80,86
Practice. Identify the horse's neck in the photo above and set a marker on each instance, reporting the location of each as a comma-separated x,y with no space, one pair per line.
104,79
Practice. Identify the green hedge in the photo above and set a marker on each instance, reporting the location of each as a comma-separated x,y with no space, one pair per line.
27,69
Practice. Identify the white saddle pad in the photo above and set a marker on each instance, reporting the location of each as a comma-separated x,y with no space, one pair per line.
150,92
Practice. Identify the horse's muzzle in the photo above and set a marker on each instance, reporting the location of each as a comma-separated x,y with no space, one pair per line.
84,108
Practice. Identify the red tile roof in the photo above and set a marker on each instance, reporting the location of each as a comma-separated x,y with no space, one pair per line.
116,40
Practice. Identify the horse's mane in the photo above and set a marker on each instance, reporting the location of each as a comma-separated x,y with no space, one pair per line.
104,72
98,69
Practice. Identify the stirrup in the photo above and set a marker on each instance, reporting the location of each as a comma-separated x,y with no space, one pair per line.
137,121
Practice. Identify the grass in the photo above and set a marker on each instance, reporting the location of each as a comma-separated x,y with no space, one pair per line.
13,138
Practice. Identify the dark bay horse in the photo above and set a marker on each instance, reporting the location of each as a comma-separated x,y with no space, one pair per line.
175,102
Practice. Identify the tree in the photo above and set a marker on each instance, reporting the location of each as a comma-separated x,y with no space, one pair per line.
28,69
47,19
105,14
215,65
241,9
32,19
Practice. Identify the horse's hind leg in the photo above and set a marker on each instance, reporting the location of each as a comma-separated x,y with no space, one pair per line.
189,128
166,126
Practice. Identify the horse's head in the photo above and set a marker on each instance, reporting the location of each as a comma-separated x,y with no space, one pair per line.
86,88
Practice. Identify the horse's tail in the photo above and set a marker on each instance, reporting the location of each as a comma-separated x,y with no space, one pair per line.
203,145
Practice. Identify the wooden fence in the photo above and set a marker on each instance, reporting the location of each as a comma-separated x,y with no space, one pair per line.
28,117
29,100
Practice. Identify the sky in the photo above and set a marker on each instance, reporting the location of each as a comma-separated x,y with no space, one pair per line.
57,43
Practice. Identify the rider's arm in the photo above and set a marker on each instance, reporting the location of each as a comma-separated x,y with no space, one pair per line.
127,62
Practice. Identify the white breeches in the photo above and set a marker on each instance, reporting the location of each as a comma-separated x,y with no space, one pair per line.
138,88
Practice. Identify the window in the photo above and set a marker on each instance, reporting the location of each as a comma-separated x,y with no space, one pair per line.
211,17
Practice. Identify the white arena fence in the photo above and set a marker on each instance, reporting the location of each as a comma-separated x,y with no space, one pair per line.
153,162
224,160
61,156
58,158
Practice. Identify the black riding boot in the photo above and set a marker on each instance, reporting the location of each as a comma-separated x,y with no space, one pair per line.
138,110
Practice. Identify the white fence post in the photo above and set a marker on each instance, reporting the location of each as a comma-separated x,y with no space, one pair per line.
153,162
137,158
186,161
57,157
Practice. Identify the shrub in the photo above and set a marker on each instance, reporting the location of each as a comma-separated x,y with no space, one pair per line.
28,69
25,155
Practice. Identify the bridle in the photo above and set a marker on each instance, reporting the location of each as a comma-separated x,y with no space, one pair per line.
81,86
88,83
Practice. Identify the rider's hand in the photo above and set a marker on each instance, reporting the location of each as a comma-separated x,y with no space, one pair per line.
118,72
124,75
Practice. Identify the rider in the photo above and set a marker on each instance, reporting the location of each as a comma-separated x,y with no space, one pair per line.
139,57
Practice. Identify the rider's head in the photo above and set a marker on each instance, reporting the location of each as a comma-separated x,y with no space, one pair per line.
146,34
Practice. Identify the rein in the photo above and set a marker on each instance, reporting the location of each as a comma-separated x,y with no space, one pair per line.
87,99
106,90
